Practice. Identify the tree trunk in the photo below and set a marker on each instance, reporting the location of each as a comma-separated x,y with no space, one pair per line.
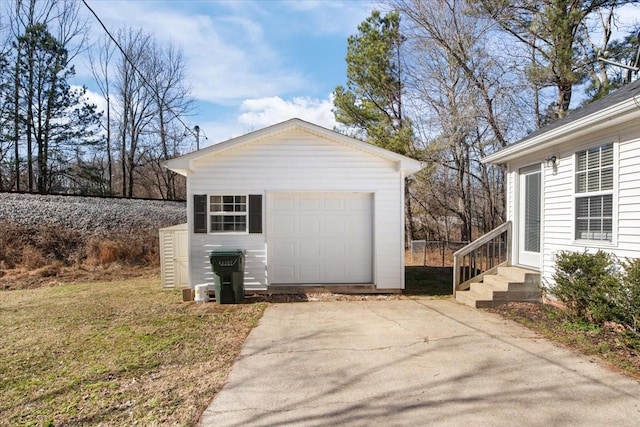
108,148
16,119
564,98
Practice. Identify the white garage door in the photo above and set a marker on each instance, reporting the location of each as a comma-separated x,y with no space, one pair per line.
320,238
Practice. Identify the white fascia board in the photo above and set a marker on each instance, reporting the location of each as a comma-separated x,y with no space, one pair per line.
185,163
406,164
599,120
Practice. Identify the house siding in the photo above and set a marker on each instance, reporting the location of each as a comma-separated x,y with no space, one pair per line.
628,220
297,161
558,199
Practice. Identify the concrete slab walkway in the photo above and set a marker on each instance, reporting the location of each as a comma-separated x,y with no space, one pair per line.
413,362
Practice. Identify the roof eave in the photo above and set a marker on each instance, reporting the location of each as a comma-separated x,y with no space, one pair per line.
185,163
599,120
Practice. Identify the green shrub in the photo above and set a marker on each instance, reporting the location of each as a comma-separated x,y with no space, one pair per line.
627,299
585,283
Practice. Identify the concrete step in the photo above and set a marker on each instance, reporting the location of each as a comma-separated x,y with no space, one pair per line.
501,283
511,284
518,274
514,293
473,299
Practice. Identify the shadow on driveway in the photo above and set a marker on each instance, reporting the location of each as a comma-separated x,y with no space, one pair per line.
412,362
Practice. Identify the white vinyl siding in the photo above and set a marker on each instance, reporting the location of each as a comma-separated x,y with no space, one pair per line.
559,195
299,161
559,198
628,200
594,193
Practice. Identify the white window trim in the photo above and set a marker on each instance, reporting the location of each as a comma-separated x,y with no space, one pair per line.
613,192
210,214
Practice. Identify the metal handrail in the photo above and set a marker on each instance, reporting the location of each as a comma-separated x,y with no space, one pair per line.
471,251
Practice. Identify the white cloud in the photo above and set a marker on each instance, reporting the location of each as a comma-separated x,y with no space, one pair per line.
227,56
260,112
91,97
628,18
333,17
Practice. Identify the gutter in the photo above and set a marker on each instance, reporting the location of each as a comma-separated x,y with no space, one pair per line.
595,121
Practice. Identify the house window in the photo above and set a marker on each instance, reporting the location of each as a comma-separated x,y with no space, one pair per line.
227,213
594,193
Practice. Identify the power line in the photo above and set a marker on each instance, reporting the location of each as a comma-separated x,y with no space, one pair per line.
144,79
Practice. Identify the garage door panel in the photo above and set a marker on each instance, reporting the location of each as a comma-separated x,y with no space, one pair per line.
334,204
284,250
308,227
335,226
320,238
311,272
360,205
336,273
283,226
336,249
286,272
308,250
283,204
361,229
307,204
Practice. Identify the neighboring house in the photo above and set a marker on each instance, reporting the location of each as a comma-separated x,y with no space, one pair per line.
575,184
309,205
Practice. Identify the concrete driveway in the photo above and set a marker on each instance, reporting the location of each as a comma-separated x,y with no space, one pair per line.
413,362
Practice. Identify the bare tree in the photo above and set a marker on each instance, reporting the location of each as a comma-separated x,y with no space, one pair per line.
464,96
101,65
151,95
172,99
136,101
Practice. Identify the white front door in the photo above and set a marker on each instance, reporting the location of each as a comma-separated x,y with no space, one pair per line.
317,238
530,213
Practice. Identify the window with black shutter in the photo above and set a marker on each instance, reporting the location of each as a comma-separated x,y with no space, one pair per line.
199,213
228,213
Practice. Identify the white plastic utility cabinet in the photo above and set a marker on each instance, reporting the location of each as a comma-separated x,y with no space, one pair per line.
174,257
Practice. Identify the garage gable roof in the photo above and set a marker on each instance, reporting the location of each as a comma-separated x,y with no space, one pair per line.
184,163
618,107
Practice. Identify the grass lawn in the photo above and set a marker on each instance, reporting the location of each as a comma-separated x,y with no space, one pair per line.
114,353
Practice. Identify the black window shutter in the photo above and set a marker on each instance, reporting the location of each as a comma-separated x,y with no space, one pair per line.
255,213
199,213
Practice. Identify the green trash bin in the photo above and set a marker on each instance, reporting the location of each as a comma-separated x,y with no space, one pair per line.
228,275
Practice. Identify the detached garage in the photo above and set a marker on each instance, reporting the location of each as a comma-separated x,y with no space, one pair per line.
309,206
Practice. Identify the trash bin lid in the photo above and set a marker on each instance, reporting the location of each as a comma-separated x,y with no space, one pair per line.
227,252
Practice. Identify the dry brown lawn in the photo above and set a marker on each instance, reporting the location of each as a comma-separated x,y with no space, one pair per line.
114,353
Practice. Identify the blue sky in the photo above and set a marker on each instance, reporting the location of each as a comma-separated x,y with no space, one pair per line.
250,64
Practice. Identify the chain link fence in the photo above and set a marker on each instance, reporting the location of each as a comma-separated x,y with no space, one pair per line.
432,253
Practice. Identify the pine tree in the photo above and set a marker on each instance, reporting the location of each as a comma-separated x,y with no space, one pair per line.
553,29
55,119
371,103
